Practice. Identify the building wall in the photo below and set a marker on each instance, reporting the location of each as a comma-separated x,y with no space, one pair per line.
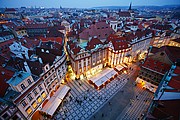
8,113
118,57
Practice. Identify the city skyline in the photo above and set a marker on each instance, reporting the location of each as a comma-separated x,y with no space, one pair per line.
83,4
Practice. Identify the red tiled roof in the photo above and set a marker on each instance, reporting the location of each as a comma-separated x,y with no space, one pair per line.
119,43
92,43
176,40
29,43
171,51
156,65
56,39
74,47
4,76
44,25
124,14
175,80
99,29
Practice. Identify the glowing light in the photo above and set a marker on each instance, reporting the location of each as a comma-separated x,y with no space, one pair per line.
44,95
63,81
39,100
29,110
34,105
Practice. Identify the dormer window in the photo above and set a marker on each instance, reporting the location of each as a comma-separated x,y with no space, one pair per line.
22,86
29,81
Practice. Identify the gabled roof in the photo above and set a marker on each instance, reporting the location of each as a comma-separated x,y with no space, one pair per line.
74,47
156,65
92,43
175,80
118,42
36,26
53,39
171,52
176,40
99,29
4,76
124,14
18,77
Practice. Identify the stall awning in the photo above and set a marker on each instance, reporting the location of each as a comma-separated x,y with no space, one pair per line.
53,103
111,73
100,78
101,81
119,67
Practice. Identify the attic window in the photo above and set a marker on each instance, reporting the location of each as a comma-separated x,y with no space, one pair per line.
162,54
47,51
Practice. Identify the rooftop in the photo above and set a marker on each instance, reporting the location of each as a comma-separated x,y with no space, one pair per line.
18,78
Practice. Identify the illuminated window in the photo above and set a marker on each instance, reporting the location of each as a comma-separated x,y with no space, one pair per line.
44,95
28,110
34,104
39,100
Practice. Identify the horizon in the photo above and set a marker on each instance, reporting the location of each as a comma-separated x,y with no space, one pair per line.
83,4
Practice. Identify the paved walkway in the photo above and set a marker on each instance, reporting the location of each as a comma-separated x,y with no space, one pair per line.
118,102
138,106
84,100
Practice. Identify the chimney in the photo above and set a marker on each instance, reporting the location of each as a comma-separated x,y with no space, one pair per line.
40,60
27,67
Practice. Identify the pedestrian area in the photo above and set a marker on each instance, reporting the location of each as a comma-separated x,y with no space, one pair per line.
83,100
138,106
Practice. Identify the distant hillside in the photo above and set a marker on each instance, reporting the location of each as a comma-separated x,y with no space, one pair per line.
137,7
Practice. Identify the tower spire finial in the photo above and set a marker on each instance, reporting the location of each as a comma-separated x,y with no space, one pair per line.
130,6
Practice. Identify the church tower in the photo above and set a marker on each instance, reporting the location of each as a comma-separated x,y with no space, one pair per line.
130,9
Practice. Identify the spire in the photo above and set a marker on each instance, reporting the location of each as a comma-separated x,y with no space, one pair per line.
130,6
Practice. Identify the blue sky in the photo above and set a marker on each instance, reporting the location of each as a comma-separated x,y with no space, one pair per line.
83,3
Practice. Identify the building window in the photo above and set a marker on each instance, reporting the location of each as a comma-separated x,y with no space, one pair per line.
28,110
22,86
5,116
29,82
23,103
34,104
40,87
35,92
39,99
29,97
44,95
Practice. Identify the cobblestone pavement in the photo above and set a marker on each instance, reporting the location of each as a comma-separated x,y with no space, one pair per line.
84,100
138,106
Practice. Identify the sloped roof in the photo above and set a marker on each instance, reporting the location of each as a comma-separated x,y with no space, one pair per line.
99,29
124,14
4,76
118,42
156,65
18,77
92,43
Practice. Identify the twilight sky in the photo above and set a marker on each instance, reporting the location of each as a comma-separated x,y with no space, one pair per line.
82,3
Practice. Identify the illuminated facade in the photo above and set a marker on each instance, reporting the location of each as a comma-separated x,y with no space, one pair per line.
33,92
90,57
